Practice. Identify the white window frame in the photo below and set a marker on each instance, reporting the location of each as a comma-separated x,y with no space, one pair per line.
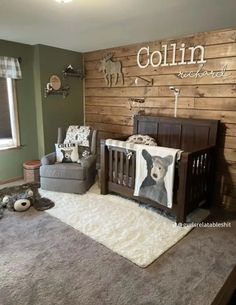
14,141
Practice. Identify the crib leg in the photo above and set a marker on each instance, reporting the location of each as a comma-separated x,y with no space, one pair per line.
104,187
181,217
104,168
183,190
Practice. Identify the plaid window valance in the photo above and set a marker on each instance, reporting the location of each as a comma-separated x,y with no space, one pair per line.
10,67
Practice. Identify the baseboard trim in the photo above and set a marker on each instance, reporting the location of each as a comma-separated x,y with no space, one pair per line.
11,180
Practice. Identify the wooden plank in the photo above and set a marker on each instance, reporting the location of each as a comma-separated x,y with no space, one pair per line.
217,64
106,101
161,102
112,128
165,102
92,68
167,80
164,91
127,61
227,154
118,51
214,103
228,142
229,129
211,52
220,50
224,116
107,119
206,38
125,115
108,135
120,111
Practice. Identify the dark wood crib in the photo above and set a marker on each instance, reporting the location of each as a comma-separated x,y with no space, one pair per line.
194,174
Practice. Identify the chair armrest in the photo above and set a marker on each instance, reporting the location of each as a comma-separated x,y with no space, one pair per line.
89,160
49,159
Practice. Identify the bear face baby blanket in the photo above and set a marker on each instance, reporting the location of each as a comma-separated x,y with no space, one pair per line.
155,168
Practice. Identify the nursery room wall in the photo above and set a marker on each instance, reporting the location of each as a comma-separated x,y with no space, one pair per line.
11,160
55,111
39,117
107,108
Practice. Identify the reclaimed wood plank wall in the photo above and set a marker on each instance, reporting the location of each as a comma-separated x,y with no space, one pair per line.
107,109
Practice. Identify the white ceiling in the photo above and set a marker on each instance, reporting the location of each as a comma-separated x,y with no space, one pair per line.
84,25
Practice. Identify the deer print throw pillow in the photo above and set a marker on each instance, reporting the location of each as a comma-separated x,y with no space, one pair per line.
78,134
67,153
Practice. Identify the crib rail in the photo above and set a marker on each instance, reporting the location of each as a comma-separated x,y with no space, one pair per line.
196,182
122,166
193,177
117,166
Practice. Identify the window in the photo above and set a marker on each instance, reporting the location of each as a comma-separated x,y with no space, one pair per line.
9,129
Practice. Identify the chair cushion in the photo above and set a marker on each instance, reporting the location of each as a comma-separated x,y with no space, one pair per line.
68,170
64,171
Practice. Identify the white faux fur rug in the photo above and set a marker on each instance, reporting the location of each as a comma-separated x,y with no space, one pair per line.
136,233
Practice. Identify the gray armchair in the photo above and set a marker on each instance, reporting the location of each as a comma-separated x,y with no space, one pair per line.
68,177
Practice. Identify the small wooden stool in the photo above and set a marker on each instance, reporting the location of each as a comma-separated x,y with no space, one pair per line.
31,171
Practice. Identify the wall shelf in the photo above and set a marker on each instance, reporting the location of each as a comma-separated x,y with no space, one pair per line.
63,91
75,73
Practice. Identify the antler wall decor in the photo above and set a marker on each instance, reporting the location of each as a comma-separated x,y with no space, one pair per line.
139,80
136,103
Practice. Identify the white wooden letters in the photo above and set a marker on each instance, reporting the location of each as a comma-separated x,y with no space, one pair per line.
160,58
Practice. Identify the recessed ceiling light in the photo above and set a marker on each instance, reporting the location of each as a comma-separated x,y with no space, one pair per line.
63,1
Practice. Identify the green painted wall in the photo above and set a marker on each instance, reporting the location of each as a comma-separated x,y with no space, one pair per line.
38,102
40,117
56,110
11,160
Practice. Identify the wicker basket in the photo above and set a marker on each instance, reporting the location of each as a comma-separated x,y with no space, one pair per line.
31,171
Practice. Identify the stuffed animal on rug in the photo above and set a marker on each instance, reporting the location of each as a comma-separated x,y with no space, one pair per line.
153,186
21,198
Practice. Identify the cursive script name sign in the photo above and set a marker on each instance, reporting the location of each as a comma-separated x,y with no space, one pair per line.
200,73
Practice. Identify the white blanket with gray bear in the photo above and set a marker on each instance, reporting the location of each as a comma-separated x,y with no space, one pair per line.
155,167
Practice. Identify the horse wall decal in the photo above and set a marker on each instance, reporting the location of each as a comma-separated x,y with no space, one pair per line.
109,68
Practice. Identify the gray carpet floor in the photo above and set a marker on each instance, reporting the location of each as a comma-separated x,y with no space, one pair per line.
45,262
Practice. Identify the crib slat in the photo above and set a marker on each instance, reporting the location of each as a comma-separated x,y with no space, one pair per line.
205,172
121,167
110,165
127,171
116,167
132,170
